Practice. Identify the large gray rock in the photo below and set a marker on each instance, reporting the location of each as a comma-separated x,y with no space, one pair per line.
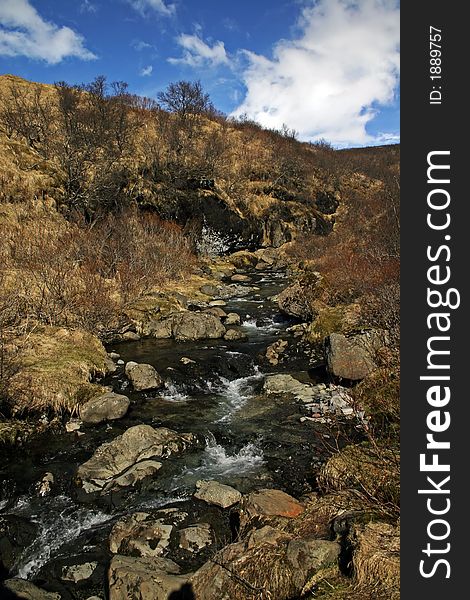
197,326
139,535
25,590
189,326
128,459
353,357
213,492
143,377
294,301
104,408
144,578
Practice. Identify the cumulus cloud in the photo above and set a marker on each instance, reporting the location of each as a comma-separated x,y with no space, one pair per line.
158,6
146,71
23,32
329,81
198,53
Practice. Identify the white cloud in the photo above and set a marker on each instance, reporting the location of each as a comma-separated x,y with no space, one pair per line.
328,82
197,53
88,7
159,6
23,32
140,45
146,71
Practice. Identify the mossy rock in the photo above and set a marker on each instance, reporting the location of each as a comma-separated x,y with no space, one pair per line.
333,319
55,370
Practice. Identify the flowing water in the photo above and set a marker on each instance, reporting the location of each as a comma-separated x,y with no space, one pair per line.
251,441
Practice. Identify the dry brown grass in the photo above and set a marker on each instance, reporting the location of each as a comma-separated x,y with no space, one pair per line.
372,470
54,371
376,558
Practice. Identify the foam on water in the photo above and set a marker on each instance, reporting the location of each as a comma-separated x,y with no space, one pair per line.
61,523
235,393
173,394
217,463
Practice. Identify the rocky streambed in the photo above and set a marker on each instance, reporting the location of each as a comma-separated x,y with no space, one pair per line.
195,440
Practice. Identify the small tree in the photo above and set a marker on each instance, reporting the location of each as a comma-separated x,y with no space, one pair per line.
185,98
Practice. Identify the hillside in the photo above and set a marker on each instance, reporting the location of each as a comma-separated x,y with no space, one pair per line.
167,273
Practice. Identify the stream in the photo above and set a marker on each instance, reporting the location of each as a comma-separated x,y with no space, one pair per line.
251,441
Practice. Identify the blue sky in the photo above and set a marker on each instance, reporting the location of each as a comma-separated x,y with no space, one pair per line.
326,68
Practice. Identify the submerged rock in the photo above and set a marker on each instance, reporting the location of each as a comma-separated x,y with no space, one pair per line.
107,407
143,376
128,459
217,493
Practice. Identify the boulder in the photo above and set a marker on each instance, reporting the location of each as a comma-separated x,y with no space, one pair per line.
143,377
196,326
20,589
78,573
139,535
144,578
269,503
283,384
243,259
353,357
218,302
232,319
131,336
209,290
269,560
107,407
216,311
239,278
235,335
217,493
195,537
293,302
128,459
